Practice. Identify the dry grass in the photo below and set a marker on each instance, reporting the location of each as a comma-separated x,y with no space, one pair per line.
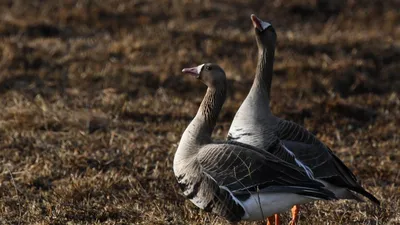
93,101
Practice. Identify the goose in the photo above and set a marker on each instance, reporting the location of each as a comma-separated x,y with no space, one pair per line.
254,124
231,179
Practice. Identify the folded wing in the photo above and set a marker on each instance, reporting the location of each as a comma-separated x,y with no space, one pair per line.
244,169
318,157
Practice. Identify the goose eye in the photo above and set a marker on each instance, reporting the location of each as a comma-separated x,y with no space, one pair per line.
208,68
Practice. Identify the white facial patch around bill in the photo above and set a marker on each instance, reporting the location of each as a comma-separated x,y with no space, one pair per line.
198,68
264,25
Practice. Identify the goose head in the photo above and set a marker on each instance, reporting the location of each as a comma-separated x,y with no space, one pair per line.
210,74
265,33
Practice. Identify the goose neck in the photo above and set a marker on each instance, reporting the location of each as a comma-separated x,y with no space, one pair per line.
264,71
200,129
207,115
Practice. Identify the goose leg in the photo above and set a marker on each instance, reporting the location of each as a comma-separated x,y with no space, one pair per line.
277,220
273,218
295,215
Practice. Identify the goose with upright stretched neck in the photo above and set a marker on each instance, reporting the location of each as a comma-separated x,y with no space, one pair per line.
235,180
255,124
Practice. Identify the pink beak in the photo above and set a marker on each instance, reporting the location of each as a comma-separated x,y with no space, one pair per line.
193,70
259,24
256,22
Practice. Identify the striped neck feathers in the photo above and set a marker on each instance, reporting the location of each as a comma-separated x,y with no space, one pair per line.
264,72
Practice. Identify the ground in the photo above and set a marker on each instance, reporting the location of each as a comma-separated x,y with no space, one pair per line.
94,103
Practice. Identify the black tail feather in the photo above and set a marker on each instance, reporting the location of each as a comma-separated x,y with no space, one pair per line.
351,180
365,193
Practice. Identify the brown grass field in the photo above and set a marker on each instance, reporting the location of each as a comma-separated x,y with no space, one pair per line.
93,102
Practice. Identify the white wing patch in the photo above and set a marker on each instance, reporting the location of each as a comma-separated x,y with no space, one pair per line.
308,171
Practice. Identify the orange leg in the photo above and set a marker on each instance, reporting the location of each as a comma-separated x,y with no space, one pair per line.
277,221
273,218
295,215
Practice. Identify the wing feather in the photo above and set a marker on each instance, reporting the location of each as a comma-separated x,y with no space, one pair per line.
241,168
318,157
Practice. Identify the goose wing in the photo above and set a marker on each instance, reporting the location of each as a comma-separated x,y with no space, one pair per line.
244,169
318,157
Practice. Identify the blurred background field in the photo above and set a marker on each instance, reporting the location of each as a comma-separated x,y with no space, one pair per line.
93,102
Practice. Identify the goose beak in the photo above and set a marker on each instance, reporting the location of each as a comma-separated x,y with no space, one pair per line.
195,71
259,24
